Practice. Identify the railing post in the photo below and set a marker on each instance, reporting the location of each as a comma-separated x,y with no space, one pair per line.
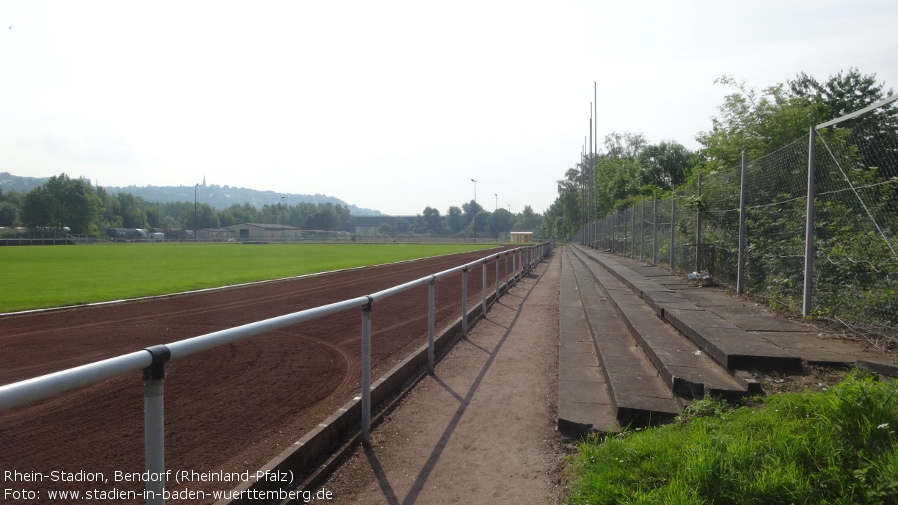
740,270
464,301
506,271
497,277
809,227
483,282
514,266
154,423
431,321
366,372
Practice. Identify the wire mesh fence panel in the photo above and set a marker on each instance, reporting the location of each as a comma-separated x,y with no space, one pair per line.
664,226
685,223
720,223
855,276
776,206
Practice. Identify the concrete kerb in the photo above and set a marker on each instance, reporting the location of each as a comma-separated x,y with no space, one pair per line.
320,451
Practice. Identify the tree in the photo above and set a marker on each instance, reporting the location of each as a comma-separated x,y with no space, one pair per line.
455,219
527,220
63,202
8,214
665,165
433,222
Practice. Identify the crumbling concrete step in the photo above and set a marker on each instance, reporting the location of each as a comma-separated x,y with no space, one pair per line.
639,393
730,345
685,368
584,404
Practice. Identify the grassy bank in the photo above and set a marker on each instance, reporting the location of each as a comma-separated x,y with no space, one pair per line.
839,447
51,276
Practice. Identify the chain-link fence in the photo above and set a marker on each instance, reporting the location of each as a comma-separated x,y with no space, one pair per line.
853,219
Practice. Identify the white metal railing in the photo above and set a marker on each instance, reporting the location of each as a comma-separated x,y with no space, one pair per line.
152,360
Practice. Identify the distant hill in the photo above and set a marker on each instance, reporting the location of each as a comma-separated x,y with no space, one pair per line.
219,197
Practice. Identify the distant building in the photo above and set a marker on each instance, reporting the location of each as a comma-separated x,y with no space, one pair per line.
521,236
265,232
215,234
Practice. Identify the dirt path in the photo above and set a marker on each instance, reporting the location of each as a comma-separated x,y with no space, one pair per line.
481,429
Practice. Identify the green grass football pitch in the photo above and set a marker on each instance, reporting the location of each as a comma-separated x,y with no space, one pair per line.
36,277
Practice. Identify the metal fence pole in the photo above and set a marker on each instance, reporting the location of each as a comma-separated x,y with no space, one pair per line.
654,229
642,231
431,321
464,301
740,272
366,372
809,227
673,230
698,227
154,423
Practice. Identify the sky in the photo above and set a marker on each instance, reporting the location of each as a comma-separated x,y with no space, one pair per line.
393,105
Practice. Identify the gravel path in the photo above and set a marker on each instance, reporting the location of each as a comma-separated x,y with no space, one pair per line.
481,429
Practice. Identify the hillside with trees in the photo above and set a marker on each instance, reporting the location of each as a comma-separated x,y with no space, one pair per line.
63,202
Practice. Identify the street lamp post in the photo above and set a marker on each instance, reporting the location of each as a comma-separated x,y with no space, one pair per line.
195,237
474,209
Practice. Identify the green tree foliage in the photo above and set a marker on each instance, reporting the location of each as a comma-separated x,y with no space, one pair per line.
433,222
455,220
9,213
62,202
527,220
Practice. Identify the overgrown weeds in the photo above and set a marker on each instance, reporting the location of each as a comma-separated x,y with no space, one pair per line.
838,447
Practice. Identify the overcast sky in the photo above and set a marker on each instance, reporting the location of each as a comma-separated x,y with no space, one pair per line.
392,106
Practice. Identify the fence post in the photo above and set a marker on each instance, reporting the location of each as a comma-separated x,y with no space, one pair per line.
633,232
366,372
698,227
431,321
740,272
642,231
464,301
673,230
654,228
809,227
154,423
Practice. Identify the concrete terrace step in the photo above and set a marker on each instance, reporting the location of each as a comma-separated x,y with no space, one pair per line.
639,394
584,404
686,369
730,345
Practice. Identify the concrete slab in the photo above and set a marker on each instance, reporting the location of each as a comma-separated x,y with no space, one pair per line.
682,365
637,391
584,404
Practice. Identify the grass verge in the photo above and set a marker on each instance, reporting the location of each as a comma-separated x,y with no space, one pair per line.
43,276
836,447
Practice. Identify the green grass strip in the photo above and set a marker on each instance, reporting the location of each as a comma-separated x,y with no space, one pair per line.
835,447
36,277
